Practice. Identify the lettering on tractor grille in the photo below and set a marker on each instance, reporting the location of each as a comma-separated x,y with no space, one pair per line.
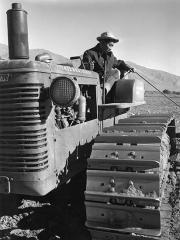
23,133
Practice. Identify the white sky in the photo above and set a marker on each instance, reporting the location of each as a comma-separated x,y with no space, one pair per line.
148,29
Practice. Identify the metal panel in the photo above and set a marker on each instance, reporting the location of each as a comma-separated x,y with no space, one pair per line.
136,127
139,152
122,165
146,119
115,198
123,219
69,140
114,235
119,182
152,115
126,138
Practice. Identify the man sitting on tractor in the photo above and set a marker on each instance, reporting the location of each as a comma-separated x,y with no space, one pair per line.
102,60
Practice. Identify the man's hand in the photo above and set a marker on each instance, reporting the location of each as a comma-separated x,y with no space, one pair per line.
91,64
131,69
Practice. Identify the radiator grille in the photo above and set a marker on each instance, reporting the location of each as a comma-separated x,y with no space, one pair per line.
23,133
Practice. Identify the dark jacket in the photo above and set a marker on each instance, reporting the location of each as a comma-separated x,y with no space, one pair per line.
99,57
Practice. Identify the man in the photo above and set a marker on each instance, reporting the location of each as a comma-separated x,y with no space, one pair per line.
102,60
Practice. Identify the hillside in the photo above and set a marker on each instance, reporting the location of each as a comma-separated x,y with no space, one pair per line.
161,79
3,51
33,52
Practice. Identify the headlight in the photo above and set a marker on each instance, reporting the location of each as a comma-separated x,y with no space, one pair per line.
64,91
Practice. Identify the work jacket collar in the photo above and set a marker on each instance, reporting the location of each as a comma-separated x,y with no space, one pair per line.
101,50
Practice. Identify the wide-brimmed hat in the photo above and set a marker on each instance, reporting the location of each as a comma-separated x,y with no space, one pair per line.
107,36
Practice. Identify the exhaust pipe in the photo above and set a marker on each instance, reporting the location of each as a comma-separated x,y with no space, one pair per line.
17,32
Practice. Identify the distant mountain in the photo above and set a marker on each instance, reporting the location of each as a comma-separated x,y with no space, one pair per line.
161,79
33,53
3,51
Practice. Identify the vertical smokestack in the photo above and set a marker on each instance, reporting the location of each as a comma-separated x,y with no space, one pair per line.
17,32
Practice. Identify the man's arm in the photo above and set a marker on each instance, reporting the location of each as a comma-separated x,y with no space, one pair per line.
87,61
122,66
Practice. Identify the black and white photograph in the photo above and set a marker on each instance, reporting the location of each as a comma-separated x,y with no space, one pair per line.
89,120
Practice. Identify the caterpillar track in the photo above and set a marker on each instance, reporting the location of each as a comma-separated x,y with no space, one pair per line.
127,175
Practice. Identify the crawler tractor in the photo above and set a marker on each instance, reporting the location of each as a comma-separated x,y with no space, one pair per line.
54,126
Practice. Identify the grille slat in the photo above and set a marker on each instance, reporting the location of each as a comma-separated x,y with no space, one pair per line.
17,100
22,146
21,160
22,141
18,119
25,114
19,124
24,169
34,104
21,85
17,96
20,90
23,155
23,137
21,164
23,134
22,109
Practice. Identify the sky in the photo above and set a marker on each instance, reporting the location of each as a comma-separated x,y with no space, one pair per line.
148,30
